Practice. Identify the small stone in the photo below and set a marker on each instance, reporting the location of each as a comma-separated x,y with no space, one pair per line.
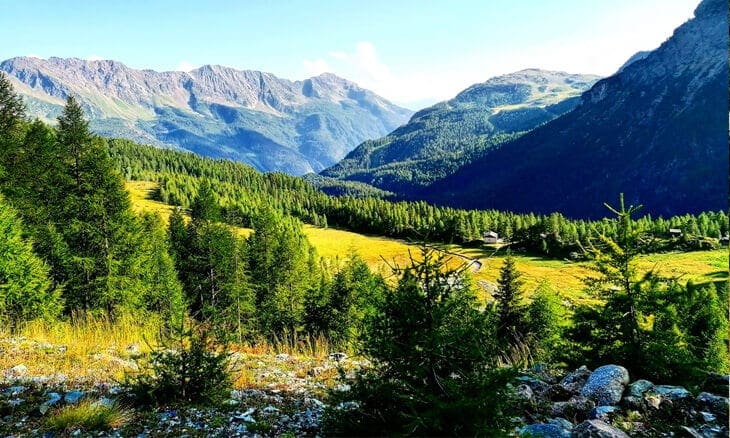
708,417
525,393
17,371
281,357
72,397
15,402
338,357
545,431
597,429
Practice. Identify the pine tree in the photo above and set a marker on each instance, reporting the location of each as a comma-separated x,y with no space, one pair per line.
25,289
511,310
12,108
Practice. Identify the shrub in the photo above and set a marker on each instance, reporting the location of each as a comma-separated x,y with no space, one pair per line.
194,372
434,362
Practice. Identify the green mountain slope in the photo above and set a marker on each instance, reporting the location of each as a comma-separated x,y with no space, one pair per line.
656,131
439,139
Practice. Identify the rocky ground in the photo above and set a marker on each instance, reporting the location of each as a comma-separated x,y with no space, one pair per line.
284,395
605,403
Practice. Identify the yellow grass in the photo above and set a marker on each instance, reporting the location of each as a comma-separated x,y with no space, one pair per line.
563,276
85,348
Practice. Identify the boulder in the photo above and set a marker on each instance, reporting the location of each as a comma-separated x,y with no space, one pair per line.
524,392
538,386
575,380
546,430
606,384
638,388
576,408
73,397
597,429
561,393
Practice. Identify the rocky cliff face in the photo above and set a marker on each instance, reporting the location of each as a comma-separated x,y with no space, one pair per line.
439,139
252,116
657,131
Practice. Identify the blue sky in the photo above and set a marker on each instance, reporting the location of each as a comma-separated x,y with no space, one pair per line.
411,52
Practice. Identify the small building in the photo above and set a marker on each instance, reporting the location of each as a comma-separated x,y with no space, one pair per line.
675,232
491,237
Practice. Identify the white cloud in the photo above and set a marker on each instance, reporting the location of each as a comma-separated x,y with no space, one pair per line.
186,66
316,67
363,65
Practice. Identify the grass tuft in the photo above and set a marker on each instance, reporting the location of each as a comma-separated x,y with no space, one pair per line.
88,415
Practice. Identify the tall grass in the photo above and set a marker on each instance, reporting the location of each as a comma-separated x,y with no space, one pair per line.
88,415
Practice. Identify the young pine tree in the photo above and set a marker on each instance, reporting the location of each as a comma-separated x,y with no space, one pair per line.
510,308
434,361
25,289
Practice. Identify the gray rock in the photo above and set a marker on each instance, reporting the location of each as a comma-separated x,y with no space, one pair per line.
17,371
524,392
575,380
668,392
544,430
338,357
715,404
712,431
597,429
538,386
639,388
73,397
576,408
603,413
53,399
606,384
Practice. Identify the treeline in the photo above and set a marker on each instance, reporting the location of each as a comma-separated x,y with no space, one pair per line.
242,191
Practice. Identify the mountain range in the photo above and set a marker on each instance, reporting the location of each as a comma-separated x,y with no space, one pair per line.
271,123
657,131
439,139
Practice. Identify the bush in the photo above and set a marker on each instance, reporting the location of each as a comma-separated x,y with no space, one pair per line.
195,373
434,362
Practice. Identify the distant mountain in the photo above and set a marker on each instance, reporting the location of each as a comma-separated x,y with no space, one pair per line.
439,139
656,131
250,116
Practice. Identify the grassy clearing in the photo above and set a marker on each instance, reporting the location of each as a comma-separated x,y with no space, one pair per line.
563,276
88,415
83,348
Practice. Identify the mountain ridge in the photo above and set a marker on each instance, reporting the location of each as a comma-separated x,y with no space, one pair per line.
246,115
656,131
440,138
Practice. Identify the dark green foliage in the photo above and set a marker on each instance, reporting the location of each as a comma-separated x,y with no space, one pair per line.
193,370
284,269
654,326
25,289
12,109
543,318
434,362
338,309
212,267
242,192
511,309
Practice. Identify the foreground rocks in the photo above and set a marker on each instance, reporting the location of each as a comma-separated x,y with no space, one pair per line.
604,403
